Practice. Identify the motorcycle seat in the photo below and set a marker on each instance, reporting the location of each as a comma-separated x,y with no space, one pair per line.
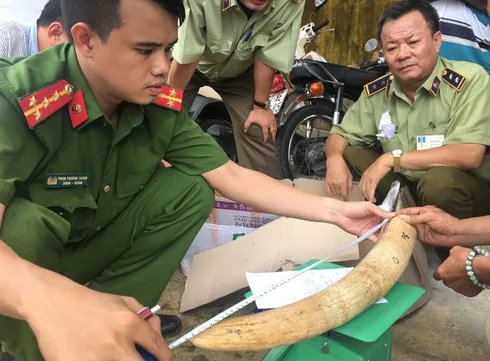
209,92
351,77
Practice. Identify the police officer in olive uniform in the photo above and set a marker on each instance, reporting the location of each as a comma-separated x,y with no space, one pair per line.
237,46
87,217
430,116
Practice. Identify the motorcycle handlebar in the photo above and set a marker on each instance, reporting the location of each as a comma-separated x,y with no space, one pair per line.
369,64
321,25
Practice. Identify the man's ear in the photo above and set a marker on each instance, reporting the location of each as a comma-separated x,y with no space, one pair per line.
84,39
56,33
438,40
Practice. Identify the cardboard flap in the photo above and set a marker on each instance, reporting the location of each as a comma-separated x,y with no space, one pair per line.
221,271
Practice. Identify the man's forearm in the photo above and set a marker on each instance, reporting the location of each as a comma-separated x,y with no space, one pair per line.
2,211
180,74
474,231
16,282
335,146
281,199
263,78
461,156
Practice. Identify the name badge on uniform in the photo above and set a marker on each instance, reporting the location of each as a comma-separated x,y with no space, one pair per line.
66,180
425,142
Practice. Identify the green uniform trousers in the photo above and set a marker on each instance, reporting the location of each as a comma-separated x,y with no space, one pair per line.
459,193
135,255
238,97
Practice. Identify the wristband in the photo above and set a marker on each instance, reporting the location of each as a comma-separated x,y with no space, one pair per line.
477,251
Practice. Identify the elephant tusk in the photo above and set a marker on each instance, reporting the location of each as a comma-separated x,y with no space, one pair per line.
370,280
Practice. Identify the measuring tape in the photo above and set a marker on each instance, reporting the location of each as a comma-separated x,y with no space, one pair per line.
220,317
387,205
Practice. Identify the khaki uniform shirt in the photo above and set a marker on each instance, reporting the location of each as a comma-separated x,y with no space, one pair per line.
453,103
219,32
117,164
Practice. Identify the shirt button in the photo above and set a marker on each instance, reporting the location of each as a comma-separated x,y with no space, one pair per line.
98,228
412,139
107,188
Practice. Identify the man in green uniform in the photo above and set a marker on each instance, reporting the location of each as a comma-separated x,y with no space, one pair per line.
430,116
86,214
237,46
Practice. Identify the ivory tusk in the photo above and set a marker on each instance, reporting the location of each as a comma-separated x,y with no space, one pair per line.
371,279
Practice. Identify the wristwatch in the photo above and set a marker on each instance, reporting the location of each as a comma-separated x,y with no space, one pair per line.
397,154
261,105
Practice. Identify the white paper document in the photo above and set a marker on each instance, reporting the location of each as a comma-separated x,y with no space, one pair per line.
386,127
295,290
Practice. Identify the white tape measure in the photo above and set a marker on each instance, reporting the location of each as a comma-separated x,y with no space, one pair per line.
220,317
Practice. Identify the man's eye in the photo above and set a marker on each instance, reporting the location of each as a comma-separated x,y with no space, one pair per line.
169,49
391,49
413,42
145,51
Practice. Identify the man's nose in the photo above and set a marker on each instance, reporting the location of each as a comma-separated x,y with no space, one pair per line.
161,64
403,52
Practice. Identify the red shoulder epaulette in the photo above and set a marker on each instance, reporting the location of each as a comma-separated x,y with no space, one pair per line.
41,104
170,98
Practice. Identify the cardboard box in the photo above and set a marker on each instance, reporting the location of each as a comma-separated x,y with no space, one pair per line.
227,221
220,271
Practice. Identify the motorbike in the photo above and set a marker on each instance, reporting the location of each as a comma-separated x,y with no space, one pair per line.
306,107
316,103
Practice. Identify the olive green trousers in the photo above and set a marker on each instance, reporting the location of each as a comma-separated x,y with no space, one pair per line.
459,193
135,255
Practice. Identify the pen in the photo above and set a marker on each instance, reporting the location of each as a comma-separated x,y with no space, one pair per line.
147,313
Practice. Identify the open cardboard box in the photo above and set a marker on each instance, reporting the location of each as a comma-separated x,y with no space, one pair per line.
286,241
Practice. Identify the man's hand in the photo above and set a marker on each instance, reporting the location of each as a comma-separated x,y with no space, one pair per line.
72,322
338,181
359,217
265,119
434,226
453,273
373,175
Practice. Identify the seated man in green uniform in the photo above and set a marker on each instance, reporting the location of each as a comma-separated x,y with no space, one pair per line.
91,227
237,46
430,116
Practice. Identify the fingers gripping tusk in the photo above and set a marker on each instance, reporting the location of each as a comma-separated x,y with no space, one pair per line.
370,280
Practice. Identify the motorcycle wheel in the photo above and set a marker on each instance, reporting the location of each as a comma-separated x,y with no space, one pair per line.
301,142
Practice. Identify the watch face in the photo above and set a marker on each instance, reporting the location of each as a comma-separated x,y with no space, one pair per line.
397,153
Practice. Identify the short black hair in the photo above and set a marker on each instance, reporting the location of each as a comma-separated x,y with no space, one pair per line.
51,13
403,7
103,16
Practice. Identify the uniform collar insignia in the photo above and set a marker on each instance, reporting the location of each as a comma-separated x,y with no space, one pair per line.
226,4
436,84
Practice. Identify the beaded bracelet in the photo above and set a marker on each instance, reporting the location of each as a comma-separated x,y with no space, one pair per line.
477,251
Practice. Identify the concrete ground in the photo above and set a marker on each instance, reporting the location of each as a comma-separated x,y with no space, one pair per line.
449,328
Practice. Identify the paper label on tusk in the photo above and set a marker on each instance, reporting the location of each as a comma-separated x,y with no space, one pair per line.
295,290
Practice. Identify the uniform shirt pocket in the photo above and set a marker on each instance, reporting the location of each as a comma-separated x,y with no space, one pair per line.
245,49
128,185
69,199
220,48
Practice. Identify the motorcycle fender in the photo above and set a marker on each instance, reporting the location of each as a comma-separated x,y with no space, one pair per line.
299,99
200,102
